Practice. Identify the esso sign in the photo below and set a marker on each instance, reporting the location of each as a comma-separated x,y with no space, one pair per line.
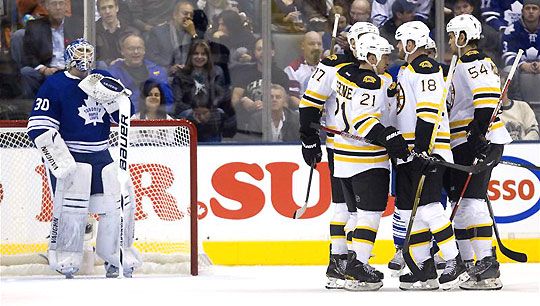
514,192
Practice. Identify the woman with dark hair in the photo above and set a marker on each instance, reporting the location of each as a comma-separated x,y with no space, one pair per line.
201,95
151,102
236,36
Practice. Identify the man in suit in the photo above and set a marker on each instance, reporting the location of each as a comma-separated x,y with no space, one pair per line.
44,44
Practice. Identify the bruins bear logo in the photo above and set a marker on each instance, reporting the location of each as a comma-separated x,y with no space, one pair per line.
369,79
426,64
400,98
450,98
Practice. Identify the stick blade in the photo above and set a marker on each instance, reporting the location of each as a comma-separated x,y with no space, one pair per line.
300,212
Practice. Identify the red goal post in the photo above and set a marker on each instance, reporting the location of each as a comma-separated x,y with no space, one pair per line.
163,170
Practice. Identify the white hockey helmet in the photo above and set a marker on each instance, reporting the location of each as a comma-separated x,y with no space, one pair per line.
465,23
371,43
416,31
79,54
357,30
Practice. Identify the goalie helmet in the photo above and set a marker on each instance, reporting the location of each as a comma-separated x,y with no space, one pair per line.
370,43
79,54
357,30
465,23
416,31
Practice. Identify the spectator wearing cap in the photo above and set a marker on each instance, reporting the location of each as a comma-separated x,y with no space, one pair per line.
524,34
383,10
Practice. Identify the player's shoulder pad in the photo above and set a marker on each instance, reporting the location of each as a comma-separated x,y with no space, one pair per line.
362,78
472,55
425,65
337,59
445,69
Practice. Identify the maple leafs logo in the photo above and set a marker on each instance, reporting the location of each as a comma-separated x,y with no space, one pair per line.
91,112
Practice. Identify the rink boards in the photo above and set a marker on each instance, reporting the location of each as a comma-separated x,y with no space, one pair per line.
247,195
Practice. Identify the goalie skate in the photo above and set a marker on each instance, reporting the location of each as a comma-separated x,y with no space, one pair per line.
411,282
335,271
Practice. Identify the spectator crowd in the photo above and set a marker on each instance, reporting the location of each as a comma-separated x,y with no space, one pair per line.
203,59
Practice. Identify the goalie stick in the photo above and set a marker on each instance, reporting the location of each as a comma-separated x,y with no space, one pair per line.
474,169
491,120
123,171
299,212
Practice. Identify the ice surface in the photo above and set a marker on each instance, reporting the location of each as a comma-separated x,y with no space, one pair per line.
257,285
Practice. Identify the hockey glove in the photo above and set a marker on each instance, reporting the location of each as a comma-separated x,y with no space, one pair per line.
478,143
393,141
423,165
311,148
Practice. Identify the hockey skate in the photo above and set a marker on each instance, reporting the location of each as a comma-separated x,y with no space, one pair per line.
335,271
68,272
484,275
454,274
397,263
113,271
360,276
411,282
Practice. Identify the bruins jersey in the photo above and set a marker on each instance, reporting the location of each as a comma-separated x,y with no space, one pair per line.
389,107
476,84
419,95
319,94
360,95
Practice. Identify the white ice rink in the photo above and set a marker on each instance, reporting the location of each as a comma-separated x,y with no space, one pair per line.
257,285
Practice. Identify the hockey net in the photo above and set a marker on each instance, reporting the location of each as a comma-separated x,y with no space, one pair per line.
162,157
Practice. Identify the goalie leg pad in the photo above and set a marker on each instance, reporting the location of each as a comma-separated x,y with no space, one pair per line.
56,154
69,221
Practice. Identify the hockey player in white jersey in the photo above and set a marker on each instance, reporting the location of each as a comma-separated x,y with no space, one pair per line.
320,97
421,113
363,166
70,125
476,88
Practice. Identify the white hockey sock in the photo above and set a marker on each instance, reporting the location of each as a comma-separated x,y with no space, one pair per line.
367,224
337,228
480,226
462,234
420,237
439,224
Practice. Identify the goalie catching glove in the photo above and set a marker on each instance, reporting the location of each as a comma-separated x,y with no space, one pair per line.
105,90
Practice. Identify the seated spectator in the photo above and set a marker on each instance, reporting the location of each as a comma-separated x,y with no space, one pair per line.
519,119
151,102
11,105
214,8
360,11
110,28
44,43
301,69
163,40
316,14
523,34
285,122
150,13
247,88
402,11
499,15
133,69
286,16
202,96
383,11
232,33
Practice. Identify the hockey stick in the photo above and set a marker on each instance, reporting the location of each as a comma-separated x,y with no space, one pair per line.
123,171
334,33
510,163
516,256
491,120
415,270
299,212
473,169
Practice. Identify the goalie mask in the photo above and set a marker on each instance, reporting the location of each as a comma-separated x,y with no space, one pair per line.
357,30
464,23
79,54
416,31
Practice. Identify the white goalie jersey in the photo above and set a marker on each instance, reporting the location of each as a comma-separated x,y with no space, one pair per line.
419,96
361,97
319,93
476,84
